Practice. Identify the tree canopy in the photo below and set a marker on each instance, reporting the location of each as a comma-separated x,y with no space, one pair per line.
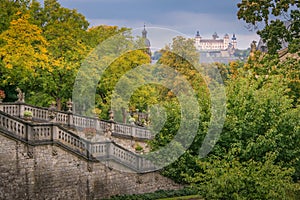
280,21
42,49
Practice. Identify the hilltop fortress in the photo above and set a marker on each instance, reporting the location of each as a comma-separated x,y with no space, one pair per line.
215,49
214,43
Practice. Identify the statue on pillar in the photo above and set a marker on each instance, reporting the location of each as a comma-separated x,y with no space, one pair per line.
253,46
70,105
20,95
253,49
52,111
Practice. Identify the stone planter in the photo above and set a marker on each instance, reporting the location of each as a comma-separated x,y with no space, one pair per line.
138,148
28,118
139,151
27,115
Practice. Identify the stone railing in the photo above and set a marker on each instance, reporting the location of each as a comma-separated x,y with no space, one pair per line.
50,133
130,131
76,121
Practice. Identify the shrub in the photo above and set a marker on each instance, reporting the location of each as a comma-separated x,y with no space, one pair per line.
157,195
27,113
229,178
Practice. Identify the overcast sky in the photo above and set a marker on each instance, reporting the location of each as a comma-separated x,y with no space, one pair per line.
185,16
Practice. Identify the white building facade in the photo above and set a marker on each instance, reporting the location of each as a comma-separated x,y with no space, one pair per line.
215,43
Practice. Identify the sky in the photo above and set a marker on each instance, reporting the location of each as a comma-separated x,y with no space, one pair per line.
184,16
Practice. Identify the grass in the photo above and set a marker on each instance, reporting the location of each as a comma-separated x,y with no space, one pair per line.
191,197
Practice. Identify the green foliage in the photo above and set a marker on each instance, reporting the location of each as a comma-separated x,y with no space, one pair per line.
98,34
138,147
8,11
186,165
182,57
269,65
256,115
27,113
257,155
41,48
124,67
157,195
64,30
229,178
23,53
261,120
194,197
271,13
290,70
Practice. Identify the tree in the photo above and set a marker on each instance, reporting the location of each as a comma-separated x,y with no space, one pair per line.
257,109
24,53
229,178
280,19
97,34
122,65
65,31
183,57
8,11
269,65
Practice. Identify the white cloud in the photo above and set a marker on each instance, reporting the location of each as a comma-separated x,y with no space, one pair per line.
188,23
117,22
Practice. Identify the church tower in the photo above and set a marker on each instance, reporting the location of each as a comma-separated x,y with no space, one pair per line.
234,42
146,40
198,40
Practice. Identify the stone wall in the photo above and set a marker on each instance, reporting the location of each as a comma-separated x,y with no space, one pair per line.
51,172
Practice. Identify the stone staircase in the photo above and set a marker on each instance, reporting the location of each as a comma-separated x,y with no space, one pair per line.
42,130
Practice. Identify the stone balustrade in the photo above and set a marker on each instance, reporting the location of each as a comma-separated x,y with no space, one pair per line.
52,133
37,113
76,121
130,131
14,125
11,109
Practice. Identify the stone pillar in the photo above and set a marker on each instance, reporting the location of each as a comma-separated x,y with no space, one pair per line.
54,132
88,149
97,125
108,149
21,109
133,131
112,127
29,133
138,163
70,119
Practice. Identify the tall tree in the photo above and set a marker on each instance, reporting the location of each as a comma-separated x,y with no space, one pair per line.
23,53
280,19
181,56
8,10
97,34
65,31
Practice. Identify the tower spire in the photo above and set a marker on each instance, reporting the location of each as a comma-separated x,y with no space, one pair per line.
146,40
144,33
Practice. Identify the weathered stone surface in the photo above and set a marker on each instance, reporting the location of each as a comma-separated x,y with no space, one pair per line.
50,172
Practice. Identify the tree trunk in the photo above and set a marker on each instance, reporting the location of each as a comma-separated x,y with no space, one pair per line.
124,114
58,104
